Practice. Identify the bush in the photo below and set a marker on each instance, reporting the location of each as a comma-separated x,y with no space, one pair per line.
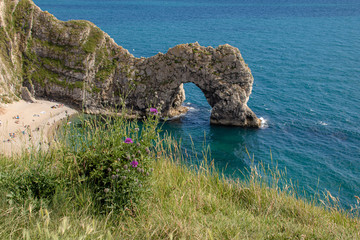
113,157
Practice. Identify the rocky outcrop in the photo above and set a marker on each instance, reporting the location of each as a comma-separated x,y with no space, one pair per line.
78,63
26,95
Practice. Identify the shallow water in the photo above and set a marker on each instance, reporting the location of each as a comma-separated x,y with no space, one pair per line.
304,56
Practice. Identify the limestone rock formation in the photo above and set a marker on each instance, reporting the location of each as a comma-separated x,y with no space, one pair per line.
26,95
78,63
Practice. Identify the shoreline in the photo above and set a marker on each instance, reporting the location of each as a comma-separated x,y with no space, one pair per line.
28,126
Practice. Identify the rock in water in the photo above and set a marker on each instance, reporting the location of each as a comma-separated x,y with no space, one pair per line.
77,63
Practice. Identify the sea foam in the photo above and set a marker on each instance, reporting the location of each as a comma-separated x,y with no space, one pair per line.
322,123
264,123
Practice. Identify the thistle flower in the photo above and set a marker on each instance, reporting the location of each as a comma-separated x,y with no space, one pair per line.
125,167
128,140
153,111
134,164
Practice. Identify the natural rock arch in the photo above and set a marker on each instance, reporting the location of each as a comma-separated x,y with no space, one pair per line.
221,74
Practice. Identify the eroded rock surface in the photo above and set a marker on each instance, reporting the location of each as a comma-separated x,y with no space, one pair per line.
78,63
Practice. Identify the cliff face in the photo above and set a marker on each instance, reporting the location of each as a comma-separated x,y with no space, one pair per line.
78,63
10,74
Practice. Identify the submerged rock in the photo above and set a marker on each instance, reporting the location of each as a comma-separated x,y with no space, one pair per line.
77,63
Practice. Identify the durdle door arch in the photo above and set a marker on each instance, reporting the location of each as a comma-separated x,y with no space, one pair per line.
221,74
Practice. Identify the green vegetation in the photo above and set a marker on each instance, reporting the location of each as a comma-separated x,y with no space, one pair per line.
78,84
106,69
95,89
88,188
95,36
115,170
4,41
21,16
44,76
58,64
39,69
78,24
105,62
53,48
9,6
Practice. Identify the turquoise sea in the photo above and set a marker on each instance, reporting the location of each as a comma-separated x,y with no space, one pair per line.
304,56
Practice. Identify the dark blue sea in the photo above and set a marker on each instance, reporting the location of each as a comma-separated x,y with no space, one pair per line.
305,59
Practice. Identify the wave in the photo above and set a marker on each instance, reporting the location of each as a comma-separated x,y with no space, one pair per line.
264,123
192,109
322,123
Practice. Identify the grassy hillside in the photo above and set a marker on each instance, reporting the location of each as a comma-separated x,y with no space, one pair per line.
55,195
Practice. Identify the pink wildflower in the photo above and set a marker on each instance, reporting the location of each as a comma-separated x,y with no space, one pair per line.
134,164
128,140
153,111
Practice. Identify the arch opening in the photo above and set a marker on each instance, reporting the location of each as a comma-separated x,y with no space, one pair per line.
199,109
194,96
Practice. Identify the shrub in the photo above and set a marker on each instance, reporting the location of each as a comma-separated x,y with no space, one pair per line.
113,157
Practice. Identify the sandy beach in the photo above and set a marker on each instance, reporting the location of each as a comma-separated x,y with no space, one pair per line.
24,126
